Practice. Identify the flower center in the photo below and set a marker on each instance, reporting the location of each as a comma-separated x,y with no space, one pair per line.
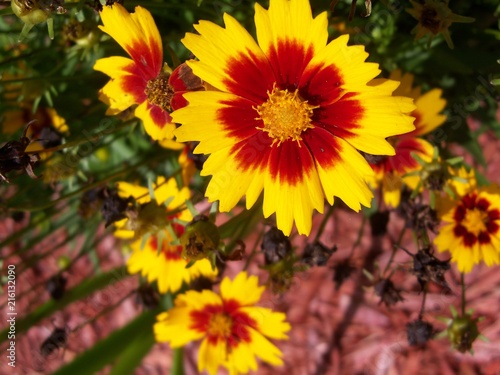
159,91
285,115
430,19
475,220
220,325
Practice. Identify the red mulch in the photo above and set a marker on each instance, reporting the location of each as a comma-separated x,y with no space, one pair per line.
345,331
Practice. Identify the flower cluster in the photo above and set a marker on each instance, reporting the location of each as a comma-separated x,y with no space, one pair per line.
209,153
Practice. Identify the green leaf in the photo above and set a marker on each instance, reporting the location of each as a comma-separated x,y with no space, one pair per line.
126,344
79,292
134,353
475,149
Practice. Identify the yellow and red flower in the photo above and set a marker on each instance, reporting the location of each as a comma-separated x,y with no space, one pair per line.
291,114
471,224
233,330
143,80
165,265
390,171
164,190
158,257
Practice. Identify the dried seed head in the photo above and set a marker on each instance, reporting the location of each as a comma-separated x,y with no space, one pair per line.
387,292
419,332
275,246
317,254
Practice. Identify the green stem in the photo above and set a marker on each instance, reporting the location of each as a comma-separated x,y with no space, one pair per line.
80,77
80,141
323,223
87,187
462,283
254,251
178,362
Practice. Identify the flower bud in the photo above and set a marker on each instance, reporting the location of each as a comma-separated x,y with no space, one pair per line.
200,239
33,12
462,331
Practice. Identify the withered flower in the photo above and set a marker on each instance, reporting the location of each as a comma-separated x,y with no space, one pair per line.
387,292
317,254
57,340
90,202
378,223
429,268
419,332
200,239
147,296
275,246
435,17
341,272
13,156
114,207
56,286
418,216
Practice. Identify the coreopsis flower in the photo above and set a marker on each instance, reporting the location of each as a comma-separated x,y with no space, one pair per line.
233,330
435,17
142,80
471,225
390,171
290,115
160,260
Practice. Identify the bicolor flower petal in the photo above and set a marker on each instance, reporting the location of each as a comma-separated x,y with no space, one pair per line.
471,226
233,331
390,171
142,81
162,262
290,116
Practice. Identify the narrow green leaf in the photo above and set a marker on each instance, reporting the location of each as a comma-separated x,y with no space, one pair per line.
134,353
116,345
84,289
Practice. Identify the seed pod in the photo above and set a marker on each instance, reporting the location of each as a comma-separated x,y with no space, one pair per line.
57,340
419,332
200,239
462,331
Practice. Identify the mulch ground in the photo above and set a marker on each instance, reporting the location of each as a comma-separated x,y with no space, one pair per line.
335,331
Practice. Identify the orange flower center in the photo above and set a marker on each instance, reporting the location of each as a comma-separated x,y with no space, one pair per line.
475,221
159,92
285,115
220,325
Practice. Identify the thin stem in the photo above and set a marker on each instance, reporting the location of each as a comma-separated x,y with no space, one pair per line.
462,283
323,223
360,236
85,188
395,248
422,307
254,251
79,141
104,311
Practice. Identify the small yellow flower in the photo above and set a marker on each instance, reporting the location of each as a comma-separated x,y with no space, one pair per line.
389,170
165,265
471,224
233,330
435,17
143,81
